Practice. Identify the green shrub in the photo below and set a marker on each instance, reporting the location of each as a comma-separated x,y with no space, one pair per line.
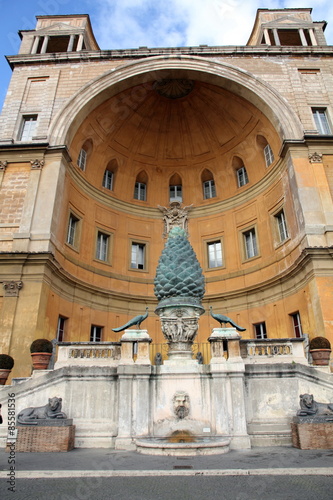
41,345
319,343
6,362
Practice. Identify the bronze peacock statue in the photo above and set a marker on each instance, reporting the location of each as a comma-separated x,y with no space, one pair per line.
137,320
224,319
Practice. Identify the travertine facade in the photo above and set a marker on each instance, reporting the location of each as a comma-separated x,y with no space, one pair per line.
93,141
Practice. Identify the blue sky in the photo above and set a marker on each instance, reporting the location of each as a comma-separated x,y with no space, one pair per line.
153,23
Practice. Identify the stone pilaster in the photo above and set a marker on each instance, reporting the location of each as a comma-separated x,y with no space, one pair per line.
125,391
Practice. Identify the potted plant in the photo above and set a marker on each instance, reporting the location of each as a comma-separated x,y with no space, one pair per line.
41,352
6,365
320,350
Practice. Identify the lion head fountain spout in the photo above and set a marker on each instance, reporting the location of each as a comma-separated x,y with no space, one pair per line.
179,287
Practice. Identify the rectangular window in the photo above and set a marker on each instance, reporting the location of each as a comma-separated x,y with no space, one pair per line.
96,333
108,180
296,320
102,247
138,251
321,120
242,177
176,193
82,159
214,249
209,189
260,330
269,155
61,328
140,191
72,230
250,243
282,225
28,127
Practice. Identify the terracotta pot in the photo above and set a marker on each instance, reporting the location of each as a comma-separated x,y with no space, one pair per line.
320,357
40,360
4,375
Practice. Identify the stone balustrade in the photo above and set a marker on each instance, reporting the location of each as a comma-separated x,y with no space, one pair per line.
286,350
88,354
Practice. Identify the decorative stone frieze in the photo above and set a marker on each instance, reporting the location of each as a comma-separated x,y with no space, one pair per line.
180,329
12,288
37,164
315,157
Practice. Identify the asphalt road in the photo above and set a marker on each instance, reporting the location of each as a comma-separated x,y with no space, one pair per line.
173,488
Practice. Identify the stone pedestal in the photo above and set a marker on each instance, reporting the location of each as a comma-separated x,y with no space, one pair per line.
45,438
128,340
228,336
179,321
312,434
217,351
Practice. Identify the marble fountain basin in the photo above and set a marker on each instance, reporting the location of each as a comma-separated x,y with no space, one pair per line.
183,443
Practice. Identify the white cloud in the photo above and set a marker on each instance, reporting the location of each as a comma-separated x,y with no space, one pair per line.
156,23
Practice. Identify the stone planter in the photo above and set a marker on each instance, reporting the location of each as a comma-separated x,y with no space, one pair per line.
40,360
320,357
4,375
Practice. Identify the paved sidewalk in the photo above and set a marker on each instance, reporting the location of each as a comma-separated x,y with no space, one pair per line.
108,462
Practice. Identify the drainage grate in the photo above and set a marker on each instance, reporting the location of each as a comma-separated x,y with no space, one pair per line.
183,467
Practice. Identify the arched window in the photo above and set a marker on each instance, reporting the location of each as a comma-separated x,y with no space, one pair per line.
175,188
208,184
241,172
84,153
267,150
140,188
109,174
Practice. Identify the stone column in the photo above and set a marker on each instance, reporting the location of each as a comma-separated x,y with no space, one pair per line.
35,45
266,36
303,39
276,36
44,46
312,37
70,43
79,43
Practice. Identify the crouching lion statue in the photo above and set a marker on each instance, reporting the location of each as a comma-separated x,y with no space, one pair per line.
310,407
28,416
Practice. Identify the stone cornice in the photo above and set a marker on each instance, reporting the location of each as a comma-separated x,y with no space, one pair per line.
144,52
312,262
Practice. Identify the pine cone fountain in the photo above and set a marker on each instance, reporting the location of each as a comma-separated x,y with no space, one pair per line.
179,287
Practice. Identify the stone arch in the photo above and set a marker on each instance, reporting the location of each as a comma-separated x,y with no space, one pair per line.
240,82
